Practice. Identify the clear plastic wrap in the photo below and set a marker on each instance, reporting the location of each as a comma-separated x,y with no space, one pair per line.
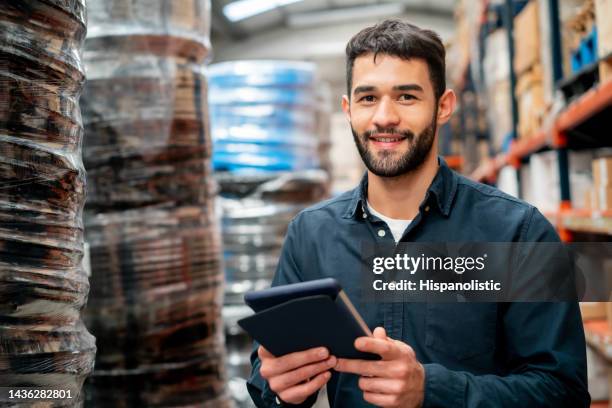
256,212
156,305
157,283
264,116
43,286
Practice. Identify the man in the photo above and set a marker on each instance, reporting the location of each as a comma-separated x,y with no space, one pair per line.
432,354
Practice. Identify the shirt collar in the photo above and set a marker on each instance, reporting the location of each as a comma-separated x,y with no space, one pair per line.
442,189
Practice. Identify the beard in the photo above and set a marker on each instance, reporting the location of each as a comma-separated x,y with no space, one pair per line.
387,163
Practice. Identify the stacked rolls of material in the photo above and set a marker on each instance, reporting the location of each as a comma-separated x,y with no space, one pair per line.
43,286
270,142
256,212
264,116
156,296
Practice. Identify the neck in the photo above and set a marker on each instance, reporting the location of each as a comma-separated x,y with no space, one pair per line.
399,197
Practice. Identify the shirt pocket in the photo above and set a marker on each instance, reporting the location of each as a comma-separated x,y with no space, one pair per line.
461,330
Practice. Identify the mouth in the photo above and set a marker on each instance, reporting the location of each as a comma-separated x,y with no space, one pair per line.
387,140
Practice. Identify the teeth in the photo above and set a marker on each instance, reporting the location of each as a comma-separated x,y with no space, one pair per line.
387,139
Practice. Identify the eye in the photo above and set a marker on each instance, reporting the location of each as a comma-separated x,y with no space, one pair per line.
406,97
367,98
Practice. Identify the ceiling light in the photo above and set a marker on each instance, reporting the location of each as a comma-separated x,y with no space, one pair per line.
332,16
241,9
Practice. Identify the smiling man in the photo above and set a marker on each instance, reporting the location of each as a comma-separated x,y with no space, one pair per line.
432,354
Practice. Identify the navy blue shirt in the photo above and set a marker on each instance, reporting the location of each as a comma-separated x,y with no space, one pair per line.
474,354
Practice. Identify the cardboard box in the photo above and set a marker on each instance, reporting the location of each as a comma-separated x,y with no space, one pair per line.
496,60
526,38
574,16
593,310
602,172
499,115
588,200
602,198
603,15
530,100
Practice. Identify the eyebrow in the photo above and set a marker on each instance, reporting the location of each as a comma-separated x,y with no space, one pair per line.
363,88
406,87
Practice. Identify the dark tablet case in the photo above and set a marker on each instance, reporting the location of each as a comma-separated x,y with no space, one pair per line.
307,322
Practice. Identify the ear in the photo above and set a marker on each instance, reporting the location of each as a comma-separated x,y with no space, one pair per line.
446,106
346,107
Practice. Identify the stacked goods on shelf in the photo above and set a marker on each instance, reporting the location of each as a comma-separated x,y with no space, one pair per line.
601,196
579,36
603,14
468,15
497,73
269,128
156,297
43,286
540,180
527,65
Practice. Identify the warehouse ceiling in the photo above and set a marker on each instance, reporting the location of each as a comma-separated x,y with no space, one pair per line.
315,30
241,20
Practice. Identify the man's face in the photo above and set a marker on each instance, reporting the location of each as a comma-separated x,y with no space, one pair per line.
393,113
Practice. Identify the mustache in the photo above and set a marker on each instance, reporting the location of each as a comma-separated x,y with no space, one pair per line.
390,131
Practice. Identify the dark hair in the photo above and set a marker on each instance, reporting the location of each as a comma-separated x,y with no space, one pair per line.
403,40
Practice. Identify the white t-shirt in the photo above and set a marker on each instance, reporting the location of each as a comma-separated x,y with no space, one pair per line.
397,227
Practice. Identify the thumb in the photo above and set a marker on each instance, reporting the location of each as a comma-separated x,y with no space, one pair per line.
380,333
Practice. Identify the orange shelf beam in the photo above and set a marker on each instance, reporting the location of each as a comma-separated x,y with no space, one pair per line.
592,102
524,147
454,162
589,104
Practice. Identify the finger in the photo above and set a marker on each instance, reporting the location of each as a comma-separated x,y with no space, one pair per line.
288,362
381,385
298,393
381,400
383,347
380,333
362,367
263,353
284,381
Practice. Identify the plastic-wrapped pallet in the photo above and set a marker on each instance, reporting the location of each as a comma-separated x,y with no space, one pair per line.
43,286
270,126
156,297
256,211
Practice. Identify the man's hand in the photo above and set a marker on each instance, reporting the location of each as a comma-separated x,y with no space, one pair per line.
398,380
296,376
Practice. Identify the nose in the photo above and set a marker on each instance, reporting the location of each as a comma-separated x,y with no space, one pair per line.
386,115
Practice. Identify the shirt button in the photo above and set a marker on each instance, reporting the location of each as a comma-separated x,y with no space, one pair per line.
381,233
426,208
364,215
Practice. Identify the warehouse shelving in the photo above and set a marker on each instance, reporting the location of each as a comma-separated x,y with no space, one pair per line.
573,128
581,220
593,105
